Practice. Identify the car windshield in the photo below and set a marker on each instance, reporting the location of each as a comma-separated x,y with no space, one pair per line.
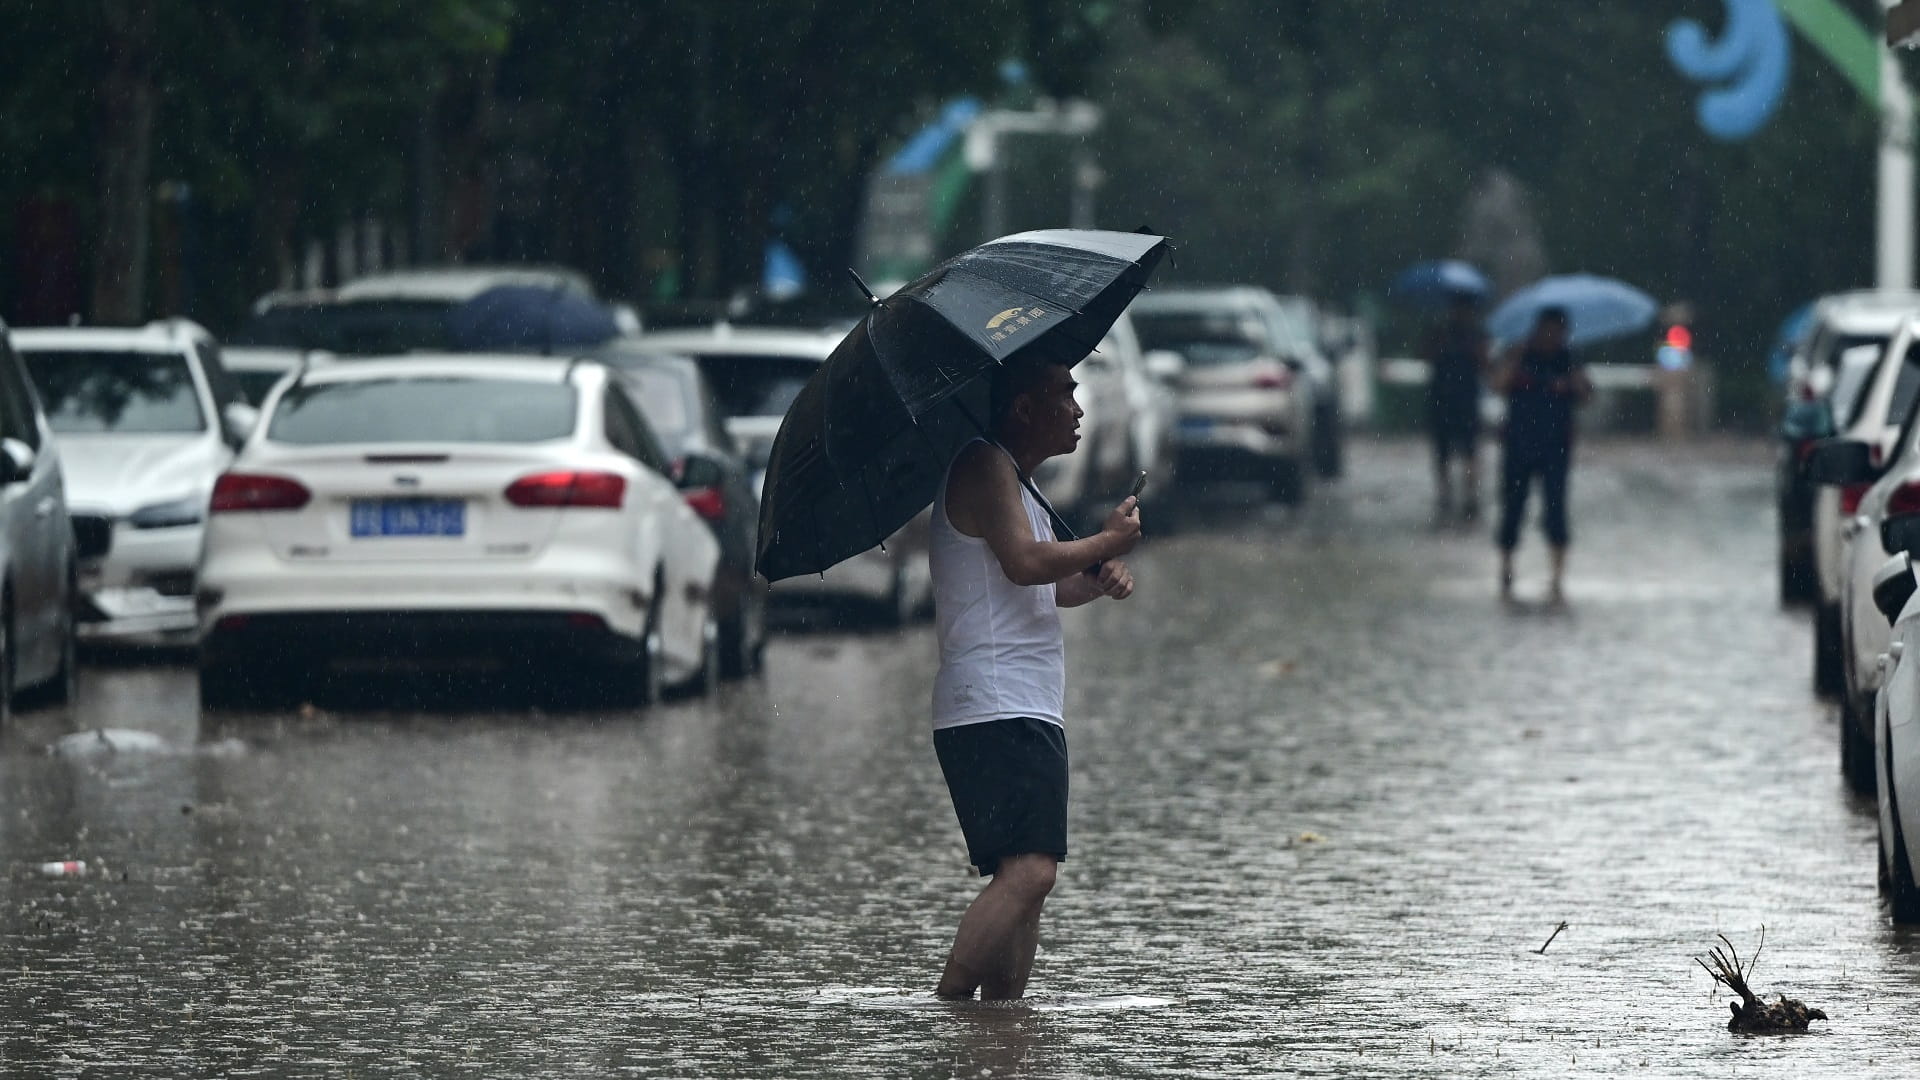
663,397
750,385
116,392
1205,338
359,328
424,409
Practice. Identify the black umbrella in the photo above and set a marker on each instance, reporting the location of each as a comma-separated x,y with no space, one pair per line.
868,440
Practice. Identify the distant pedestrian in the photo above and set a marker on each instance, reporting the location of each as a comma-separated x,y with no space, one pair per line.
999,579
1543,384
1456,353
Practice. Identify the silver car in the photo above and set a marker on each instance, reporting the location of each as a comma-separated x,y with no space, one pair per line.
1247,407
147,419
37,560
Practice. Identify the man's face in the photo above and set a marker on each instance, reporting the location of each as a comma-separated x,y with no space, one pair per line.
1051,415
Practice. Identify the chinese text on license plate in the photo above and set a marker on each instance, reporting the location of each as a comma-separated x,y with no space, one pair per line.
408,517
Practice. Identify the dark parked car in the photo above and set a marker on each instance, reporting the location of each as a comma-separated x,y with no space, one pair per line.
719,485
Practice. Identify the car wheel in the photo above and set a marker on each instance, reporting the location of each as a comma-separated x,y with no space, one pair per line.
709,681
644,683
743,636
1827,681
1856,749
1796,581
1291,482
65,685
1332,456
1896,870
6,661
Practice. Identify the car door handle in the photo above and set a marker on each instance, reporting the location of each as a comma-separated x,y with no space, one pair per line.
1897,650
1853,527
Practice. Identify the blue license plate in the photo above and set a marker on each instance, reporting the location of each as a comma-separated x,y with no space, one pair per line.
408,517
1196,425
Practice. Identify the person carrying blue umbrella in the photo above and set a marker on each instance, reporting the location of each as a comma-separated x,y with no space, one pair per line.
1543,384
1457,352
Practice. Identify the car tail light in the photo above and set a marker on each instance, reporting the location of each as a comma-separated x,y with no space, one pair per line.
584,620
568,488
709,503
1850,496
256,491
1905,499
1273,380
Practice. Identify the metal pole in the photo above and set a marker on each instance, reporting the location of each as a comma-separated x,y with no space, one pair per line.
1894,217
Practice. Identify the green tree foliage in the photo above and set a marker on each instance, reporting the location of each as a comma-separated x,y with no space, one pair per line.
599,132
1215,136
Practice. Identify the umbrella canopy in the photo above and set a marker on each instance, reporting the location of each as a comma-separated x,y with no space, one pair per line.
1600,308
867,442
1437,281
516,318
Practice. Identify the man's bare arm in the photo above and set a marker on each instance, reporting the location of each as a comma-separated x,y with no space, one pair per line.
1114,580
983,499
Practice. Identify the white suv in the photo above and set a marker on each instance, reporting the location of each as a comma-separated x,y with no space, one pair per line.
147,419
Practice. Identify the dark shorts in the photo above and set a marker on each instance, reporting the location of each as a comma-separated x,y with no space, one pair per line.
1008,779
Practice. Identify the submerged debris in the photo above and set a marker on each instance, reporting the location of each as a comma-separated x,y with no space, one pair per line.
1752,1016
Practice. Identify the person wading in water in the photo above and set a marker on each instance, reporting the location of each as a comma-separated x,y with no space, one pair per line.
999,580
1456,354
1544,384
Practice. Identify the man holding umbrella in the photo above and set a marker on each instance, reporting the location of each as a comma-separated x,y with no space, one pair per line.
951,392
1000,578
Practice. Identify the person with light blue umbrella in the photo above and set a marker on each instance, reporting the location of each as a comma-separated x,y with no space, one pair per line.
1544,384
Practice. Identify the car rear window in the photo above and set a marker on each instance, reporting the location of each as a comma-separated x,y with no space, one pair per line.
412,410
756,385
121,392
1205,338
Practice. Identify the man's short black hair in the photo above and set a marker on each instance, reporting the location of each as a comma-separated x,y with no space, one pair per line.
1554,313
1013,378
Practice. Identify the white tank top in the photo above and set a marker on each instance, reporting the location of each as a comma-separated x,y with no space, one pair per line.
1001,654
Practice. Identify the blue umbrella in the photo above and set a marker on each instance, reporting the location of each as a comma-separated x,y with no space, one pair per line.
519,318
1600,308
1437,281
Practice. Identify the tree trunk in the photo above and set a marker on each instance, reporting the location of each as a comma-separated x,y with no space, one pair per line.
124,188
1303,252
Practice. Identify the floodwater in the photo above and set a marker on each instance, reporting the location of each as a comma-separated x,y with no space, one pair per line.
1329,798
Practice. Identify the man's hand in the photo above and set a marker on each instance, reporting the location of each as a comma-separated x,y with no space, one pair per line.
1116,581
1122,528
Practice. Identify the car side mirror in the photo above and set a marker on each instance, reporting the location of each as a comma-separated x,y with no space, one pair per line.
1166,365
1893,584
237,421
696,471
16,461
1840,461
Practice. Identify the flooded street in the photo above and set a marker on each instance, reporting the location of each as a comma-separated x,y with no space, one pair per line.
1329,797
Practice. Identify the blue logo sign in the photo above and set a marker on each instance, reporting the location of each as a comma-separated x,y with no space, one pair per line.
1745,71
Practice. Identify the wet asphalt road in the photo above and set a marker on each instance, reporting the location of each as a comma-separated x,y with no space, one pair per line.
1329,797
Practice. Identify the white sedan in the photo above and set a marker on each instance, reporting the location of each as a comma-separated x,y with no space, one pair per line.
1896,744
438,506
